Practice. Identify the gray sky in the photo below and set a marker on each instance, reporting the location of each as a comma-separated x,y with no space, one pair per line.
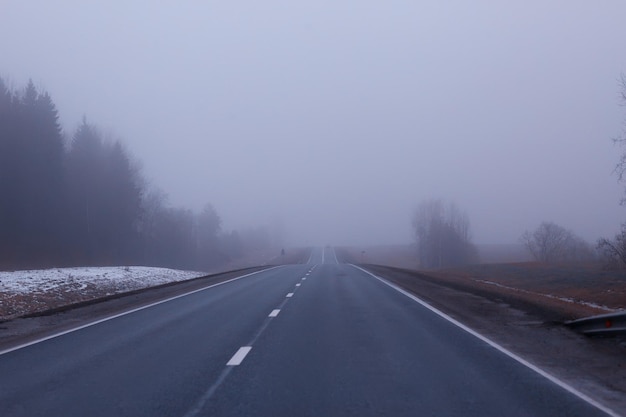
336,118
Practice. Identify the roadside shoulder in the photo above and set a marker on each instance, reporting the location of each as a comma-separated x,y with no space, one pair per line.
595,366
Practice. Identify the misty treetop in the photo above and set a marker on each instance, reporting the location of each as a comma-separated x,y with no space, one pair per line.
83,201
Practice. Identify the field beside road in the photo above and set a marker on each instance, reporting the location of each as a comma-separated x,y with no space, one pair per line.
563,292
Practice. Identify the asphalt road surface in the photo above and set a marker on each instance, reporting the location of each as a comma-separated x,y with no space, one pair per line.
321,339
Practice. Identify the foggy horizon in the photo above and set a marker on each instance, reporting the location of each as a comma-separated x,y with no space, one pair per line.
334,121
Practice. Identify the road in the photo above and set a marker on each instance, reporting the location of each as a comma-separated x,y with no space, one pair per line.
321,339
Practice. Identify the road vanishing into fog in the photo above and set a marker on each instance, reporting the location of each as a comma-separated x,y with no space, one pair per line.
317,339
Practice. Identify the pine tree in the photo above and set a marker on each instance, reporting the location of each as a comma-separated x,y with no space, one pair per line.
105,195
8,173
32,181
85,163
122,191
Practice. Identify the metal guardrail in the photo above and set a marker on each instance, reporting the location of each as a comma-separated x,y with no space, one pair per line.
604,324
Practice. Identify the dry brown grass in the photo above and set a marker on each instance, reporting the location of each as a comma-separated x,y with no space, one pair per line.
578,290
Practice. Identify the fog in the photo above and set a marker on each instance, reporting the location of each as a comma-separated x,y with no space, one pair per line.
334,120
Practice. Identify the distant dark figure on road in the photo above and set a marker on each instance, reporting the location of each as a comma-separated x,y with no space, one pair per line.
282,252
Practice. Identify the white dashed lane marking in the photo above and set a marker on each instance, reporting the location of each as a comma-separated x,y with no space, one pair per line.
290,295
239,356
274,313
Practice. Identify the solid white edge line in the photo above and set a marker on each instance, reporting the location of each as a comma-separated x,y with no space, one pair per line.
274,313
290,295
239,356
93,323
493,344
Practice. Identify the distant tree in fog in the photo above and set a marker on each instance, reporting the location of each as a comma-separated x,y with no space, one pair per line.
179,238
178,228
123,188
31,176
442,234
256,238
168,234
208,229
105,198
232,245
9,174
552,243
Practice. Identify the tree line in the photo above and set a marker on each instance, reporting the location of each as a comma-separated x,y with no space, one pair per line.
443,239
82,200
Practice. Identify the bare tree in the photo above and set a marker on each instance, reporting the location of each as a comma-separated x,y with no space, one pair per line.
620,168
553,243
614,251
442,234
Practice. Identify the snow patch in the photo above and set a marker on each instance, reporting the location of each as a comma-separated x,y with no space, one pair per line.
118,278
